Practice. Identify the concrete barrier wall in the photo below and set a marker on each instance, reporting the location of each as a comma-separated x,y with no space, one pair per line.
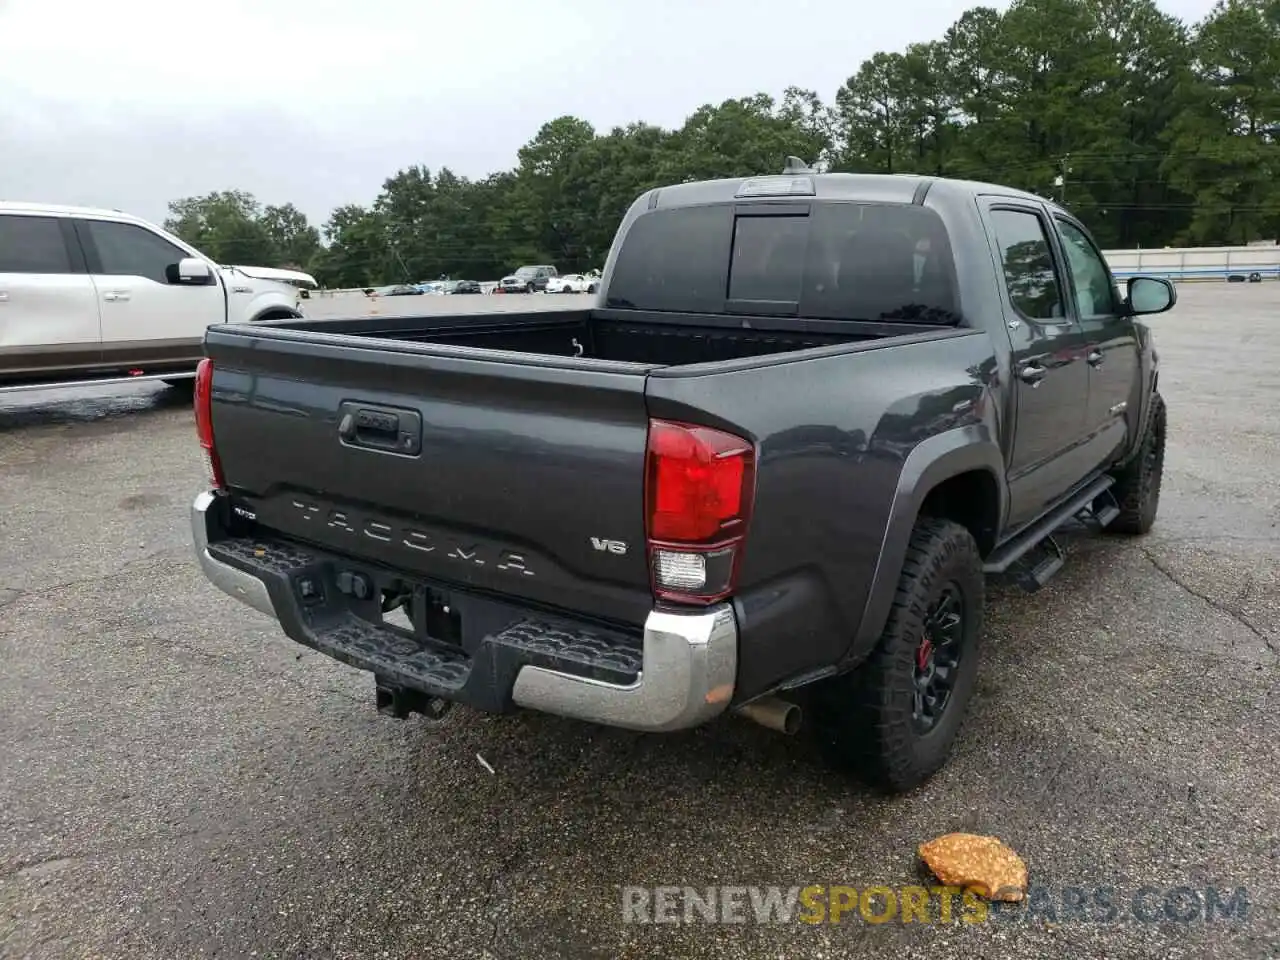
1196,263
1176,263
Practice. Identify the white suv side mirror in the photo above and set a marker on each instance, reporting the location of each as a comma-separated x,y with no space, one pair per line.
190,272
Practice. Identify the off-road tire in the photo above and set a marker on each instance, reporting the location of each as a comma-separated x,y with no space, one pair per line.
1137,486
865,717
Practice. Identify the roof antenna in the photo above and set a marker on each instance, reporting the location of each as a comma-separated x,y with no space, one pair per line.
796,166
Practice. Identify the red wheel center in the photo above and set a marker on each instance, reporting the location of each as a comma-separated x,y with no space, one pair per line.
924,653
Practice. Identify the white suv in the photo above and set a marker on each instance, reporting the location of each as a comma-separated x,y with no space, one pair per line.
95,295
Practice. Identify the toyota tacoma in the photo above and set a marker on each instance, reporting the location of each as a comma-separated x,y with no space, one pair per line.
765,472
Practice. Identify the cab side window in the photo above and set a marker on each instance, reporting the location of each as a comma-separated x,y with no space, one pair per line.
1029,271
32,245
127,250
1090,276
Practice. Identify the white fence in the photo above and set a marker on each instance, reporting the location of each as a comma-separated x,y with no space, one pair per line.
1197,263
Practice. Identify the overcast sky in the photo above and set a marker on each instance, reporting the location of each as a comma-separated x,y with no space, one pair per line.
132,103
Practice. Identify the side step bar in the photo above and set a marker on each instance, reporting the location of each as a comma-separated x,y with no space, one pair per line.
1100,512
1092,503
1052,558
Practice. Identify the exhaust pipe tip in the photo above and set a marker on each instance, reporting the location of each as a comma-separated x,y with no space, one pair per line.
774,713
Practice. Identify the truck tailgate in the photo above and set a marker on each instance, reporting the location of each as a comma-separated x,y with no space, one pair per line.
503,473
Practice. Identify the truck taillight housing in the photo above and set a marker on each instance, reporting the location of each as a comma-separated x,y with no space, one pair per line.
204,422
699,488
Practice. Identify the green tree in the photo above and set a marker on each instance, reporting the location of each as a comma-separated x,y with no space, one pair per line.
552,205
226,226
357,253
1224,142
742,138
871,110
295,241
605,176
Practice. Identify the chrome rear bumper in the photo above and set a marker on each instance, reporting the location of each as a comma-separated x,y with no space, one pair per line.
690,662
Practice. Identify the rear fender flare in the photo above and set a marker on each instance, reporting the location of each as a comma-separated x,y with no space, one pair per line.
1143,394
931,462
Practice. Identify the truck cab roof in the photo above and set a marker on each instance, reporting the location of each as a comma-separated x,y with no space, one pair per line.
865,187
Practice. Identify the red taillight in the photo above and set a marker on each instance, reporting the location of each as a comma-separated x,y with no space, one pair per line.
204,422
699,485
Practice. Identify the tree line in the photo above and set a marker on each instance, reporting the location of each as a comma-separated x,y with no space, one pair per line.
1154,131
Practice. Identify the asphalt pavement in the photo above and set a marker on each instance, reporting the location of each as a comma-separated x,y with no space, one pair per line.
177,779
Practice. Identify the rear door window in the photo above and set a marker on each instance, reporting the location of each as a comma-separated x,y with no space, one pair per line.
1029,270
842,261
32,245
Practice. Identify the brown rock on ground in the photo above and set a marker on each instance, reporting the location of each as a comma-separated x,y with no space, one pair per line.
982,864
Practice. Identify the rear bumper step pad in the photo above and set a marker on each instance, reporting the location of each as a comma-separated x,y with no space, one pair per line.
679,674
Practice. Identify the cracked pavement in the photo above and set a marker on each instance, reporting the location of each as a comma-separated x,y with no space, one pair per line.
1232,609
179,780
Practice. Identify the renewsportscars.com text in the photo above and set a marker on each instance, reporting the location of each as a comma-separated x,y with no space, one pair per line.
834,904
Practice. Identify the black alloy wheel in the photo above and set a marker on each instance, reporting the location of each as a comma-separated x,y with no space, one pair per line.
938,657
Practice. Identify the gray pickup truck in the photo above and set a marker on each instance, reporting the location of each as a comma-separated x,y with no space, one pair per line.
764,473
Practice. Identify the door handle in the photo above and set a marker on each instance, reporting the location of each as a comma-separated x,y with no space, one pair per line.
1095,358
4,296
374,427
112,296
1032,373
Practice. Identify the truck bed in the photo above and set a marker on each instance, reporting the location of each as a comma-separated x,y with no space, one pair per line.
504,455
616,335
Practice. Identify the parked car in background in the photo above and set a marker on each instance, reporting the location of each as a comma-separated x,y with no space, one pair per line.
530,279
466,286
400,290
569,283
92,296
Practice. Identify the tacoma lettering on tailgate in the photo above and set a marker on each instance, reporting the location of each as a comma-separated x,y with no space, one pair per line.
414,538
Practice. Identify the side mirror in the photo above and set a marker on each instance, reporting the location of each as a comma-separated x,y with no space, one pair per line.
189,272
1150,295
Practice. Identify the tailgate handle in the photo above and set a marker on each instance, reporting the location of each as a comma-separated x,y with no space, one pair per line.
374,427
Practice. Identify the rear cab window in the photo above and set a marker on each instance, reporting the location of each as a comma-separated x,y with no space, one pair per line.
831,260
